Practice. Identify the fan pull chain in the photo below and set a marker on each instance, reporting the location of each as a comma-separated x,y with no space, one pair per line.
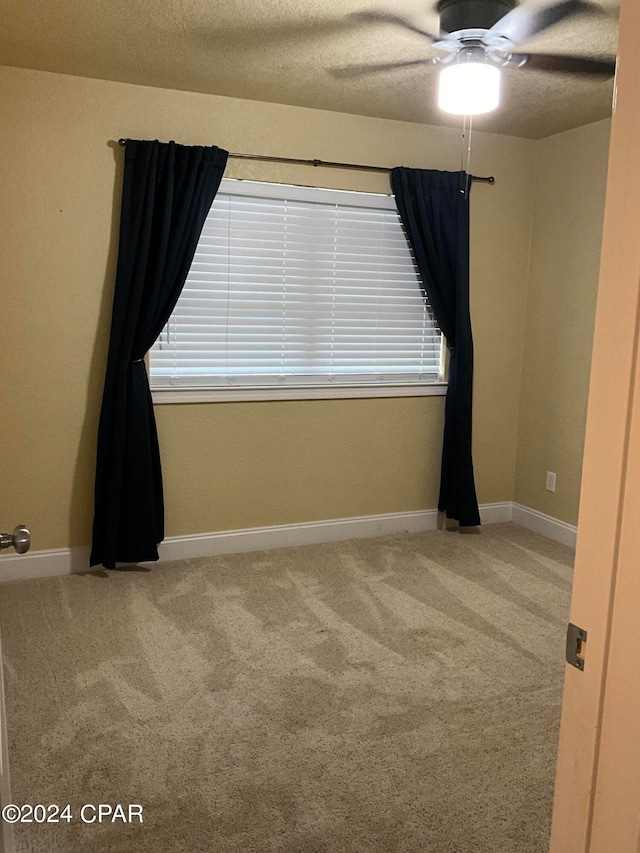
464,134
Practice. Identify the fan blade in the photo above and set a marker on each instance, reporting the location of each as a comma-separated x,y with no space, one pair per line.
374,17
358,70
569,64
526,21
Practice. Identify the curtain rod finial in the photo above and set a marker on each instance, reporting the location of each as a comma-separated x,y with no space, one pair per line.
122,142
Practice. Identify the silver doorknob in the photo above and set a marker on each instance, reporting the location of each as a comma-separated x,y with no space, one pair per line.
20,539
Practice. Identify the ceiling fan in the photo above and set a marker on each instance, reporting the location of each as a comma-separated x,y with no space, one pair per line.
478,38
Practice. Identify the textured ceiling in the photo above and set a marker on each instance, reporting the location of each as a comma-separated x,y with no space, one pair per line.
280,50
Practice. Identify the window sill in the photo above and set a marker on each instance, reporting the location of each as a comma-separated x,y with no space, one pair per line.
236,395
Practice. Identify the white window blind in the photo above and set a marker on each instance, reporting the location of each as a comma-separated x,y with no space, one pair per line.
299,286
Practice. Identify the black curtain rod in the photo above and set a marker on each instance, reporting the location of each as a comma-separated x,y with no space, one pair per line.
267,159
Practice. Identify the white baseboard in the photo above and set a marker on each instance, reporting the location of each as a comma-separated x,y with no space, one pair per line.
304,533
44,564
495,513
66,561
546,525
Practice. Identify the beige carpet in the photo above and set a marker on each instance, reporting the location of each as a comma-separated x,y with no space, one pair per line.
388,695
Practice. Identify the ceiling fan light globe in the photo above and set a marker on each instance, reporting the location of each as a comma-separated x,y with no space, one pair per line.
469,88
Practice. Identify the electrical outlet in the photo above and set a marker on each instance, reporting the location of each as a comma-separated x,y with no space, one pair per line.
551,481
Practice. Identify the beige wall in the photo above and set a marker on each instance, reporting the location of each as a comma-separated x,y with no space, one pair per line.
571,174
227,465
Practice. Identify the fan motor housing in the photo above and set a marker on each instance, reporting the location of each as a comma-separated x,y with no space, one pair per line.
456,15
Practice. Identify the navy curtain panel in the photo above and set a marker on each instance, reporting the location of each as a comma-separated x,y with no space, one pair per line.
434,209
167,192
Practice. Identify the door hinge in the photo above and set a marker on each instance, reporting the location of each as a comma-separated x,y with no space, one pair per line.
576,638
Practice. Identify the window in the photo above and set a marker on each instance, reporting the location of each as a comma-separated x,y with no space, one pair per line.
296,292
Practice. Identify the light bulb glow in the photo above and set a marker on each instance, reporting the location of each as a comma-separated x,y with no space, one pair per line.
469,88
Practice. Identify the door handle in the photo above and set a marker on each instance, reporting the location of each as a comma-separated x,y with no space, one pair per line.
20,539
